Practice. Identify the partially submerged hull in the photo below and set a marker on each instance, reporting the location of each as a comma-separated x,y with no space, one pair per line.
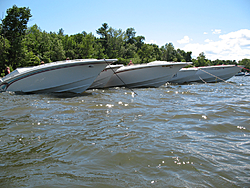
104,77
153,74
65,76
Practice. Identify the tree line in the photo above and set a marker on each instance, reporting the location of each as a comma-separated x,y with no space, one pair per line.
21,46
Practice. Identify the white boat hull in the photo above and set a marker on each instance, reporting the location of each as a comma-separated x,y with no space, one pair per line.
152,74
67,76
184,75
217,73
104,77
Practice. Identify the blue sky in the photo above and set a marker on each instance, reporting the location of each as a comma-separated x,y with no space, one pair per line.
219,28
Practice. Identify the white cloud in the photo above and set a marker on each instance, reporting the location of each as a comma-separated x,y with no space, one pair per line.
216,31
151,42
205,33
208,40
185,40
231,46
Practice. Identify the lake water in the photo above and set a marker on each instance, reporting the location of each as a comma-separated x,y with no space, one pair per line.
195,135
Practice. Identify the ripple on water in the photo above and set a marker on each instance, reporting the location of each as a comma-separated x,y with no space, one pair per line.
193,135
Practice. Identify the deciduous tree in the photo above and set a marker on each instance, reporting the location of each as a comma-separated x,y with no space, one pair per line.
14,26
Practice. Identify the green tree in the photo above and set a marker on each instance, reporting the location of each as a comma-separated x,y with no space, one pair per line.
57,51
130,33
13,29
4,50
188,57
182,56
85,46
146,53
156,54
200,60
88,42
168,52
115,43
139,41
129,51
33,39
61,32
99,51
103,31
246,63
45,47
69,45
171,52
30,59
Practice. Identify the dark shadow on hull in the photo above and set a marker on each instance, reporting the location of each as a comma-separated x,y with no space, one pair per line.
56,95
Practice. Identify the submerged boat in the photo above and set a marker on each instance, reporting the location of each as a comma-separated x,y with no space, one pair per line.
63,76
104,76
152,74
216,73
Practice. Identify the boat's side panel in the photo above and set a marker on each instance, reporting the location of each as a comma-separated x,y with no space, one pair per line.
215,74
66,78
103,78
151,76
183,76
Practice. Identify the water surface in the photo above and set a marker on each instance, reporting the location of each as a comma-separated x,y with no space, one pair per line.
195,135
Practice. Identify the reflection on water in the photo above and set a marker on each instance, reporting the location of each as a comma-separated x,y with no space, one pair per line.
193,135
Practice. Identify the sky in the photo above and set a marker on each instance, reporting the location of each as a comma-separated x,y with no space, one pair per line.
219,28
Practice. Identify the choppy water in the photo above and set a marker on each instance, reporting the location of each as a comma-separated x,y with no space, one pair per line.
176,136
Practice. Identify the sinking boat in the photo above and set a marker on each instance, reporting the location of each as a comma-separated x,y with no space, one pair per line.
63,76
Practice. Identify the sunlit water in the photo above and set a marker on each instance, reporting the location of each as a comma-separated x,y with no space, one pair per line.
194,135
